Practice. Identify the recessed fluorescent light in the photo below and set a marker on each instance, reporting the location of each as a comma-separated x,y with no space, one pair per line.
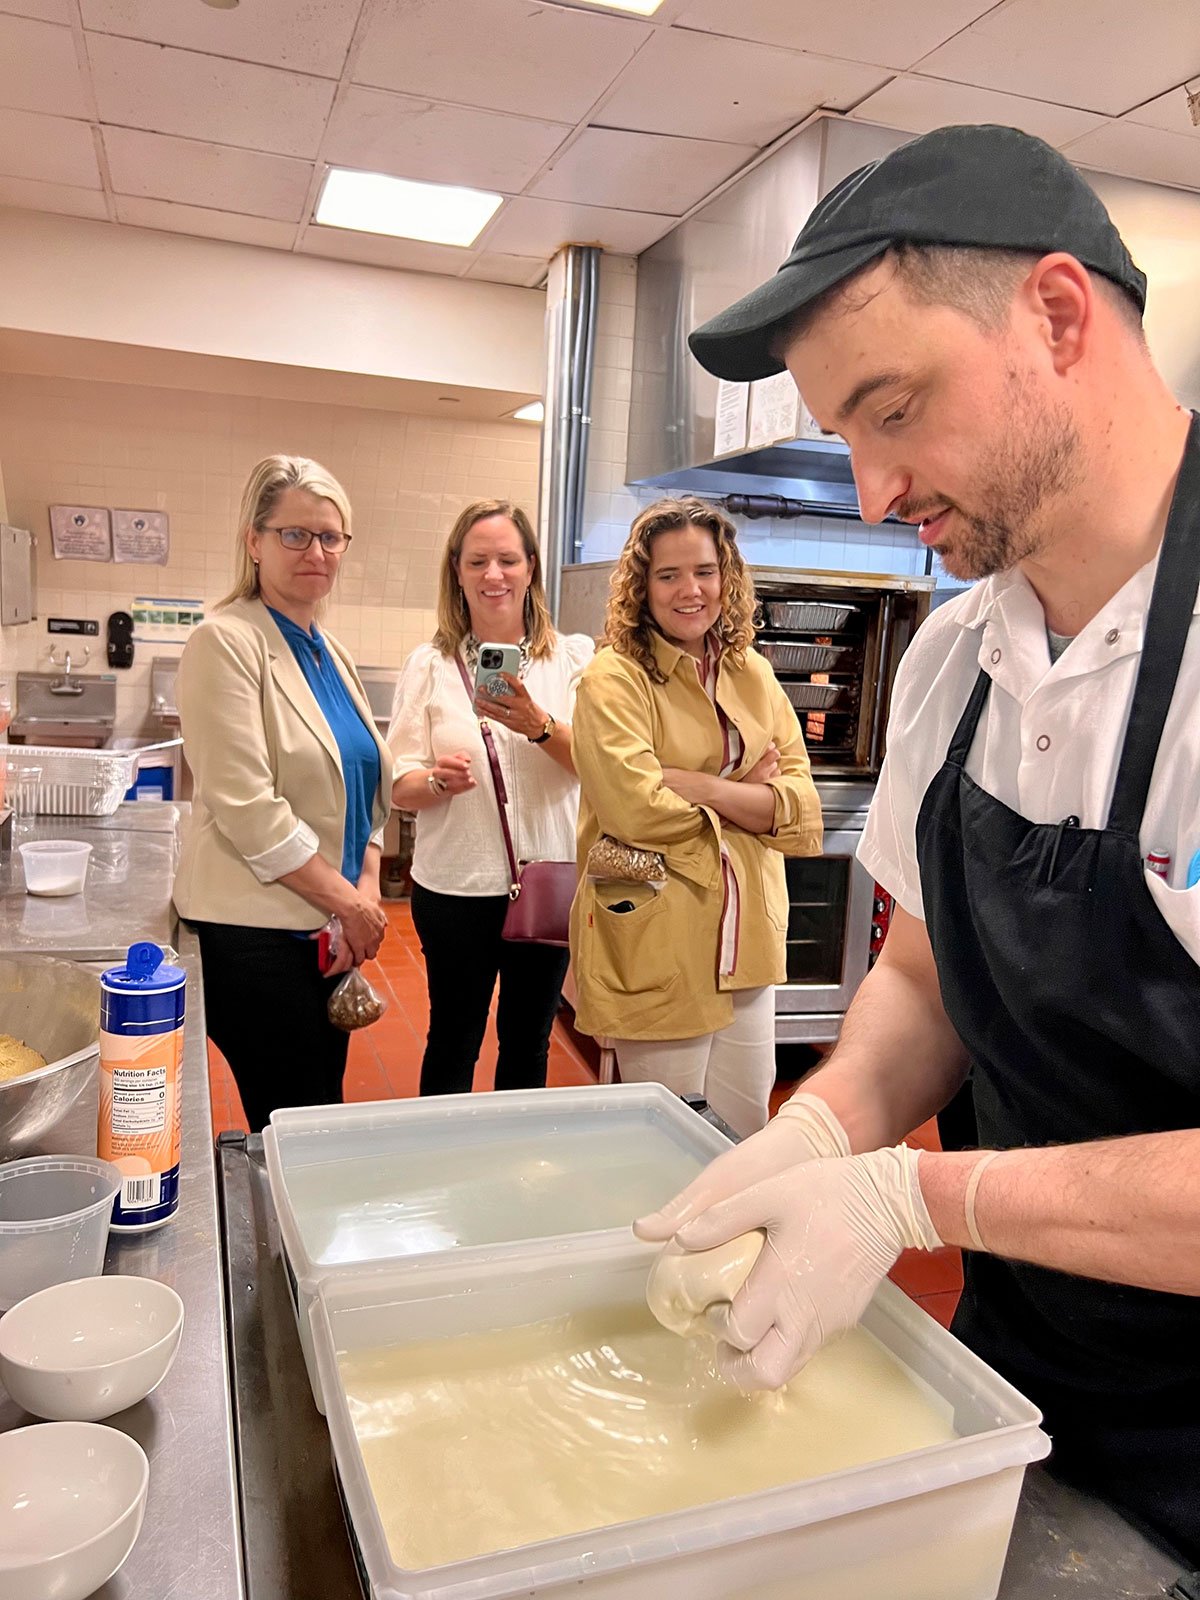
371,202
535,411
642,8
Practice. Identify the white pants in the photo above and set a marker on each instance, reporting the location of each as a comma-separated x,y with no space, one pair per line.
734,1069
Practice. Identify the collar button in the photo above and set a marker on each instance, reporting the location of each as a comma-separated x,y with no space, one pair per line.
1112,636
1043,741
995,656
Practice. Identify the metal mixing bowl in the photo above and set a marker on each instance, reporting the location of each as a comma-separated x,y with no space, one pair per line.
54,1006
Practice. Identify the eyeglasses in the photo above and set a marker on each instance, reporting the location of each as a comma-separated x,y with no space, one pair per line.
300,538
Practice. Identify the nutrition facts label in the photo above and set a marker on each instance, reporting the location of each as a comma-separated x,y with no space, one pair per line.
139,1099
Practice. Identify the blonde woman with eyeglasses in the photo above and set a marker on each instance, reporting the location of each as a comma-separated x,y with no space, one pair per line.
292,789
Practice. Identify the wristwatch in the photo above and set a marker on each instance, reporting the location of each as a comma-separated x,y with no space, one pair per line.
546,731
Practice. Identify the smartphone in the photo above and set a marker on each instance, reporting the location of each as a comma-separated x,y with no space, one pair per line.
493,660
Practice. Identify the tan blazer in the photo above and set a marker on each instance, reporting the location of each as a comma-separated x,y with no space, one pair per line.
269,790
652,973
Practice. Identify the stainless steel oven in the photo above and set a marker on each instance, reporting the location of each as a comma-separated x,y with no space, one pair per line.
830,916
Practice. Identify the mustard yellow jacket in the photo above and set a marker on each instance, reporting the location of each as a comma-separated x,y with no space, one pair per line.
652,973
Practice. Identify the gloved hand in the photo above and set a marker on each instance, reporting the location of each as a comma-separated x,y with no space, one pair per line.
833,1229
804,1129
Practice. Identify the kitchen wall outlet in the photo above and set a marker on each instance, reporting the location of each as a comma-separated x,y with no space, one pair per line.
85,625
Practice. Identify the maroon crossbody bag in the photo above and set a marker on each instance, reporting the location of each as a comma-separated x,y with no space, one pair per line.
539,892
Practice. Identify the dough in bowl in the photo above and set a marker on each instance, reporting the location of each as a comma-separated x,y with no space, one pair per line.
17,1059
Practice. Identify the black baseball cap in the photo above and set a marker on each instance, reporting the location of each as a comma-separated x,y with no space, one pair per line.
990,187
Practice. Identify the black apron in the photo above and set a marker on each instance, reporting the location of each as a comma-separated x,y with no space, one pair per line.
1081,1013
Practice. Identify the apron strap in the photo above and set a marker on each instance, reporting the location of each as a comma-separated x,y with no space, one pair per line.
964,735
1167,623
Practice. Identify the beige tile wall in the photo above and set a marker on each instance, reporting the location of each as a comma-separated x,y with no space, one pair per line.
77,442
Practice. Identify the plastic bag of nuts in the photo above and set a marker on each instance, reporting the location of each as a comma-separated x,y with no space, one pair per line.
354,1003
610,861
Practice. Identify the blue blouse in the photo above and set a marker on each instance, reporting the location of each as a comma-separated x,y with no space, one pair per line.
359,753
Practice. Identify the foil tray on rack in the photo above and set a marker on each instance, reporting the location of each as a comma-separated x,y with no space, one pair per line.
807,616
801,657
70,783
812,696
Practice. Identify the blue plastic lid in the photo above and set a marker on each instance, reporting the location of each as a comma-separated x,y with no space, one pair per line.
145,970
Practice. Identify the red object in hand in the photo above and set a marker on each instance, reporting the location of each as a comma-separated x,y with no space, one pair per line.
325,950
881,917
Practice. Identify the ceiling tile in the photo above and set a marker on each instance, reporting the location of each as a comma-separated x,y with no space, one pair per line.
921,104
521,56
49,79
45,10
1138,152
702,87
163,215
1169,111
378,250
1102,55
878,31
204,97
309,36
525,271
63,198
191,172
413,138
539,227
51,149
639,171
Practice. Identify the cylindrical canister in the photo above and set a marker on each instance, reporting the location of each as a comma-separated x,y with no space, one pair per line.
1159,861
141,1057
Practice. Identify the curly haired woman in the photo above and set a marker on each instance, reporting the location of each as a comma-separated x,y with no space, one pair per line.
685,744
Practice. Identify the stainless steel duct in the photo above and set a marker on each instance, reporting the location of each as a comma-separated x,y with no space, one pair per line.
573,295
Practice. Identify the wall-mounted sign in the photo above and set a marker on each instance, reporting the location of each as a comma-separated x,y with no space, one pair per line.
774,410
141,536
81,533
164,621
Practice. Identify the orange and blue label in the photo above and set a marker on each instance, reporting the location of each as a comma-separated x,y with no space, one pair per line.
141,1059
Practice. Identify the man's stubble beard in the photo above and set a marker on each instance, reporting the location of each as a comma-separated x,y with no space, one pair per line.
1038,462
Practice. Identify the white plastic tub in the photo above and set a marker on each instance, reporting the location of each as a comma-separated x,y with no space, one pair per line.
930,1525
55,866
360,1184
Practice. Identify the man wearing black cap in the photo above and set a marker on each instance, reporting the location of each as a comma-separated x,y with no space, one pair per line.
966,316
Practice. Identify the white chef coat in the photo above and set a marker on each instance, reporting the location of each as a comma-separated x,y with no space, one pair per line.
1050,737
459,847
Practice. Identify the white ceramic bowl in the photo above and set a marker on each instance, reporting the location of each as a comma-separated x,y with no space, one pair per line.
88,1349
72,1498
54,866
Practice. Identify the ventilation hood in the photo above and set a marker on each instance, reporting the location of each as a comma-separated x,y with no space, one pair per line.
738,240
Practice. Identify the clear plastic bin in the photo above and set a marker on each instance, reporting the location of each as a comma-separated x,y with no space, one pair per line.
356,1184
54,1217
933,1524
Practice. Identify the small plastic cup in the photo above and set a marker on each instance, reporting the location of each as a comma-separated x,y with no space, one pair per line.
54,866
54,1217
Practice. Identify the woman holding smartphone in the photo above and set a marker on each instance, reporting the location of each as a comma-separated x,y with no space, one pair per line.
491,602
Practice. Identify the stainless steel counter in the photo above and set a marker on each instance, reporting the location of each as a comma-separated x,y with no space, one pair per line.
127,895
190,1546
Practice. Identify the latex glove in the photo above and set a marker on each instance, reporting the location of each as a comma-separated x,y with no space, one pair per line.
833,1230
803,1129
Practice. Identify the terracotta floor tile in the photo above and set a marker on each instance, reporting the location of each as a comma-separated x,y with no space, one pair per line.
940,1306
922,1272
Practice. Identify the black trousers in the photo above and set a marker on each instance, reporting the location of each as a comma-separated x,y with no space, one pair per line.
265,1004
464,954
